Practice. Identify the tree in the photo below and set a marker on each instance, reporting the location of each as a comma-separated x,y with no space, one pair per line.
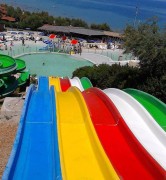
147,43
155,87
103,26
106,76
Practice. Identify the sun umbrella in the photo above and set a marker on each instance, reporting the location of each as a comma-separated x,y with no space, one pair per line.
74,41
52,36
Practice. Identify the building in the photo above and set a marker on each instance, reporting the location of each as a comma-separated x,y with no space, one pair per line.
80,32
4,15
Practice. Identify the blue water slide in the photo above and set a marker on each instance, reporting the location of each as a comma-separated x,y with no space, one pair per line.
35,152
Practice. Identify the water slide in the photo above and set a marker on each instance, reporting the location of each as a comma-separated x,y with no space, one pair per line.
22,73
23,78
55,82
141,123
1,83
65,84
59,138
8,66
35,151
153,105
81,154
86,83
9,85
20,65
122,148
77,83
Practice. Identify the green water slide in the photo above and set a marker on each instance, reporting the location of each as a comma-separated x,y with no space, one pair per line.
24,76
1,83
7,83
153,105
20,65
10,84
7,65
86,83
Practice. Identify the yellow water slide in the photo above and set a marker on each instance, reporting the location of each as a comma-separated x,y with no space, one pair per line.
81,154
55,81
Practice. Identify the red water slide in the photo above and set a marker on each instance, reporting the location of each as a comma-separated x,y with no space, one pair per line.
129,158
65,84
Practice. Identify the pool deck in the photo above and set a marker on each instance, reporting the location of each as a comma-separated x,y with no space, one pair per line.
96,56
101,59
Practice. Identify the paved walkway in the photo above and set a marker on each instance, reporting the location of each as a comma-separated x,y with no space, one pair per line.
101,59
94,58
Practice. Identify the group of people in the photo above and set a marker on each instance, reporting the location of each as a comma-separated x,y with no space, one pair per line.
77,49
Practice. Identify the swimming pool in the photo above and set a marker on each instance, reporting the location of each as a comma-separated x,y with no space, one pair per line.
53,64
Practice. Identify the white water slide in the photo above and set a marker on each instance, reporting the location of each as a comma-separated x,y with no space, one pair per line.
141,123
77,83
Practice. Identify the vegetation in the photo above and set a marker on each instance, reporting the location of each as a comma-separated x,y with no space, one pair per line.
149,44
105,76
34,20
60,21
103,26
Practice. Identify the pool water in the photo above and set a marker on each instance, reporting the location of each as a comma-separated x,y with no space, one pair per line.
53,64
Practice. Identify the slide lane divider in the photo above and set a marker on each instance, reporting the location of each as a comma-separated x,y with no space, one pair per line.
141,123
127,155
153,105
56,166
81,154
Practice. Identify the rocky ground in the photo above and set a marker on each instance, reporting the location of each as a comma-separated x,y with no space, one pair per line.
8,128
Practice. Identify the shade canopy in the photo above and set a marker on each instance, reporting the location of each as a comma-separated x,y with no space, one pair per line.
52,36
74,41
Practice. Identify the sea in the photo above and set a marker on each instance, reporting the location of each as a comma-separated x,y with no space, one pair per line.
116,13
